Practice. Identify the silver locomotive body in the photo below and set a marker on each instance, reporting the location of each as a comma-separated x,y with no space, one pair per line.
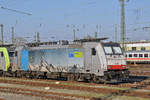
82,60
88,57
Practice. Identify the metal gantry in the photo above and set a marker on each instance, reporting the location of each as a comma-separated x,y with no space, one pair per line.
123,32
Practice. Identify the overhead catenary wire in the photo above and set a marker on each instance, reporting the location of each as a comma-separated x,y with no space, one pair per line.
17,11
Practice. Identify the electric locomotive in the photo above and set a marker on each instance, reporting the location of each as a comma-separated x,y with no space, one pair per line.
84,60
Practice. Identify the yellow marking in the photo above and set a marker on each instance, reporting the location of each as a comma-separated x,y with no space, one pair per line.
78,54
6,56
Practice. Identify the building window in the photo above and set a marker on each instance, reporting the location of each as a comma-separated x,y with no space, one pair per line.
140,55
130,55
143,48
146,55
135,55
133,48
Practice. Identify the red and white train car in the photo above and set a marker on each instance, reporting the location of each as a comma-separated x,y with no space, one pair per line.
138,57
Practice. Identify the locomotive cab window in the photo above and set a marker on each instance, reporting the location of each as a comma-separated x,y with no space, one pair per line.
117,50
2,54
108,50
93,51
11,54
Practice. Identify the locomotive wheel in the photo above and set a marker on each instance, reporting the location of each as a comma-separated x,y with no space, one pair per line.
96,79
70,77
80,78
99,79
27,75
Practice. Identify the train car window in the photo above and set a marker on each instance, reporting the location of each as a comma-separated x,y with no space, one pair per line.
133,48
93,51
117,50
108,50
146,55
16,53
143,48
140,55
126,55
135,55
130,55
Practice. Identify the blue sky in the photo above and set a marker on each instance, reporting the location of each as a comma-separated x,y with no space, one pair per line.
56,18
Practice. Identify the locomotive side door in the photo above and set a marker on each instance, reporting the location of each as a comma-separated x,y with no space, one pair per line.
91,59
96,64
87,60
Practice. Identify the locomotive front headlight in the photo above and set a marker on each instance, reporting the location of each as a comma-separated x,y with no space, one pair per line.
123,66
109,67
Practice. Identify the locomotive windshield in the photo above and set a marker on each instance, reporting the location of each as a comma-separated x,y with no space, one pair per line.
112,50
108,50
117,50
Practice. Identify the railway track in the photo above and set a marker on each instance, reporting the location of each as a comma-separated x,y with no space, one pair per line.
140,73
111,92
30,92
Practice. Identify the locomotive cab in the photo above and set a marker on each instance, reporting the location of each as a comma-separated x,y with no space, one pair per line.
4,59
116,63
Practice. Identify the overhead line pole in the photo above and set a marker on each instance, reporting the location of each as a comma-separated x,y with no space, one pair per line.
13,37
123,34
116,38
2,33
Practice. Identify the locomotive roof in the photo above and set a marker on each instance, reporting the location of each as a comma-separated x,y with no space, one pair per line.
90,40
65,42
111,44
6,45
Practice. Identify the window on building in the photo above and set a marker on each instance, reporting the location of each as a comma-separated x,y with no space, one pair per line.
140,55
146,55
133,48
130,55
135,55
143,48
